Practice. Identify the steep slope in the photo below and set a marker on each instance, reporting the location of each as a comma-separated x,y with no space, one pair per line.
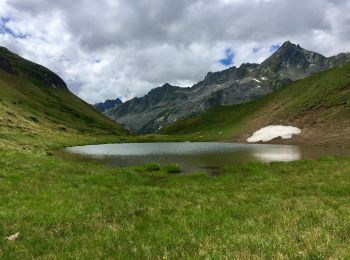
167,104
33,99
108,104
319,105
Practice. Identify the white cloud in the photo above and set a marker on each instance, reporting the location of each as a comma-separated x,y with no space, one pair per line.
104,49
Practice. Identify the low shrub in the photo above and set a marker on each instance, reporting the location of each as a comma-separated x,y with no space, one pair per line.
151,167
173,168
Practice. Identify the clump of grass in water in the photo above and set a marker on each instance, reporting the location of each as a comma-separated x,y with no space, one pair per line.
173,168
152,167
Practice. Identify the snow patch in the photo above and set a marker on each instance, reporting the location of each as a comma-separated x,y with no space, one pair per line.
256,80
271,132
259,86
263,78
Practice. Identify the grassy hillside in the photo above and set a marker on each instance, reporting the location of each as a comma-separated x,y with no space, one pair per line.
319,105
36,102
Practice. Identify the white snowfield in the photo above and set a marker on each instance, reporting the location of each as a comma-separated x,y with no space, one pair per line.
271,132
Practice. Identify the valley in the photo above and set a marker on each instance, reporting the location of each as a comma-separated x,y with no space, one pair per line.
74,209
174,129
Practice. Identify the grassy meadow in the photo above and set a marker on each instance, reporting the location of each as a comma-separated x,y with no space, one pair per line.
71,210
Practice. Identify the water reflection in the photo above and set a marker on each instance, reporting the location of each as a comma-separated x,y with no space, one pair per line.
195,157
281,153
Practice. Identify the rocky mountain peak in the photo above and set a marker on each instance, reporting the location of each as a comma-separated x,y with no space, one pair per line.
294,62
167,85
289,50
288,44
162,90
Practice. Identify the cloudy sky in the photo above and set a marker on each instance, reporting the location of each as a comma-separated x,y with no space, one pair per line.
122,48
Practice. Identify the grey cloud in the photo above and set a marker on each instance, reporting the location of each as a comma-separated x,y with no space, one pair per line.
145,43
102,23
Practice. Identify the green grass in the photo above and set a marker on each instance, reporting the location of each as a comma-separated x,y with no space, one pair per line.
75,210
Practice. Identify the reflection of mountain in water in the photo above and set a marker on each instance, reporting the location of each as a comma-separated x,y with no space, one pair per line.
277,153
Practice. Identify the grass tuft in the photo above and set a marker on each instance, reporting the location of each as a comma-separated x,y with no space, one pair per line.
152,167
173,168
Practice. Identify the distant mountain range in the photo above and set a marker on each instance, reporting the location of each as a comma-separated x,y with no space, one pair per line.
319,105
108,104
167,104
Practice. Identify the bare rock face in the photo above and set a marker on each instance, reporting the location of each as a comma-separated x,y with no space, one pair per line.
166,104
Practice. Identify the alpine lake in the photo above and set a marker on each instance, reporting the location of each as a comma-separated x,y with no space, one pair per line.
194,157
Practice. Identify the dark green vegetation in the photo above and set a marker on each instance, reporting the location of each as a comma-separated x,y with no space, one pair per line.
151,167
319,105
173,168
71,210
156,167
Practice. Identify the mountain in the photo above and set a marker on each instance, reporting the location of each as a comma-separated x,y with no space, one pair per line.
108,104
35,73
167,104
319,105
35,100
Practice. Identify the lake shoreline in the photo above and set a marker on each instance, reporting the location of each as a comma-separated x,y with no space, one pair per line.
194,156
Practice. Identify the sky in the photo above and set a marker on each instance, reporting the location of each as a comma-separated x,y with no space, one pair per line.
121,48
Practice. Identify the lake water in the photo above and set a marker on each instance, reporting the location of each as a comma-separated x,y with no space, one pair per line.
195,157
